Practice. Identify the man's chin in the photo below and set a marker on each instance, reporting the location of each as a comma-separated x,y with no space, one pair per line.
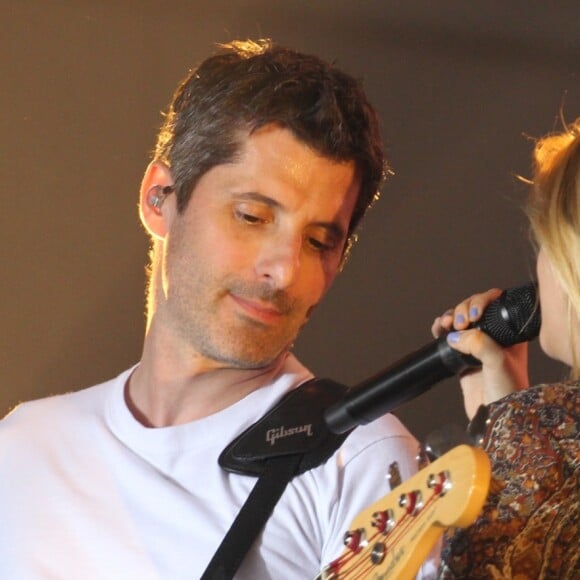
256,363
256,359
247,350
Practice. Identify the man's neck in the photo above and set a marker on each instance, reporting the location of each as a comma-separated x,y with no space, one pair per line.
170,390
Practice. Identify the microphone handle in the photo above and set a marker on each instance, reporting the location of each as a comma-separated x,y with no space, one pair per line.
406,379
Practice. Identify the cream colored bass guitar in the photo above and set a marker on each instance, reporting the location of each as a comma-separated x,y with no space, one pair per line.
392,538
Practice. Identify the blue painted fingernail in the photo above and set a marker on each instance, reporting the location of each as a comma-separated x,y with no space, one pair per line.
459,319
473,311
454,336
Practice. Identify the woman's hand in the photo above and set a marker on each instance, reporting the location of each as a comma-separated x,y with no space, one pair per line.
503,370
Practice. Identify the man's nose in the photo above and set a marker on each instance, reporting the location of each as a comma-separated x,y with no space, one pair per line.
279,261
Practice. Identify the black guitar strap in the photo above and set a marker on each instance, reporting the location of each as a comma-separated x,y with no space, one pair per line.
289,440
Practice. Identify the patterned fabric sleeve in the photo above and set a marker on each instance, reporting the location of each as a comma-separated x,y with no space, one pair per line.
529,526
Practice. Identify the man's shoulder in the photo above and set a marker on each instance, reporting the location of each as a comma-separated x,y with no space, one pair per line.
52,410
386,432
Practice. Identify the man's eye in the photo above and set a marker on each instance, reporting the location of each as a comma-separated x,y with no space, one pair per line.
251,218
319,245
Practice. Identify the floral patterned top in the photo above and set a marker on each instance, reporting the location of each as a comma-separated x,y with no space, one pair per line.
530,524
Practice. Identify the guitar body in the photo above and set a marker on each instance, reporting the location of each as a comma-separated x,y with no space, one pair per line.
393,537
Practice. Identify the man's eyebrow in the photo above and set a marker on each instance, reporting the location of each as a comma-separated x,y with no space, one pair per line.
334,228
259,197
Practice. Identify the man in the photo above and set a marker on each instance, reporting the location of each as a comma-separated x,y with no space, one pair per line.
265,164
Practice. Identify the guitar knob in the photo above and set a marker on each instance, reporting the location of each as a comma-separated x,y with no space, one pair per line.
440,483
355,540
384,521
412,502
378,553
394,475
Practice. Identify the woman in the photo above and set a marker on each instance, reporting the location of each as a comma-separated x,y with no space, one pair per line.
529,527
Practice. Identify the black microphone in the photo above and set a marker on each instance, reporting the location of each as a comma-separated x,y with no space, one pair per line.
513,317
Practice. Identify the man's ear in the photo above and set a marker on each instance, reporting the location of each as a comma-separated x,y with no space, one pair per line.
155,210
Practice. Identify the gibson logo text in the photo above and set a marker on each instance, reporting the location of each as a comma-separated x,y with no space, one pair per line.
280,432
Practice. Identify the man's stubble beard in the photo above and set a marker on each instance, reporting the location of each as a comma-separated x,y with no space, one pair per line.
233,340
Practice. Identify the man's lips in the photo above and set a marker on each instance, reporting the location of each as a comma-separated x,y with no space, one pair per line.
263,311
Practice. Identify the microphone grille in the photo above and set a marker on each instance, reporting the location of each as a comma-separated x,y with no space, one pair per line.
514,317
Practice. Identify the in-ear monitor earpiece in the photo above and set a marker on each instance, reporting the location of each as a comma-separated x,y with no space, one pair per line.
156,196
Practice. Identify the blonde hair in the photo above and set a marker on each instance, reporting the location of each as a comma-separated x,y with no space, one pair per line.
553,209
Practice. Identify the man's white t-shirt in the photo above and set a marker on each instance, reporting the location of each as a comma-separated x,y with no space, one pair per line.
87,492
